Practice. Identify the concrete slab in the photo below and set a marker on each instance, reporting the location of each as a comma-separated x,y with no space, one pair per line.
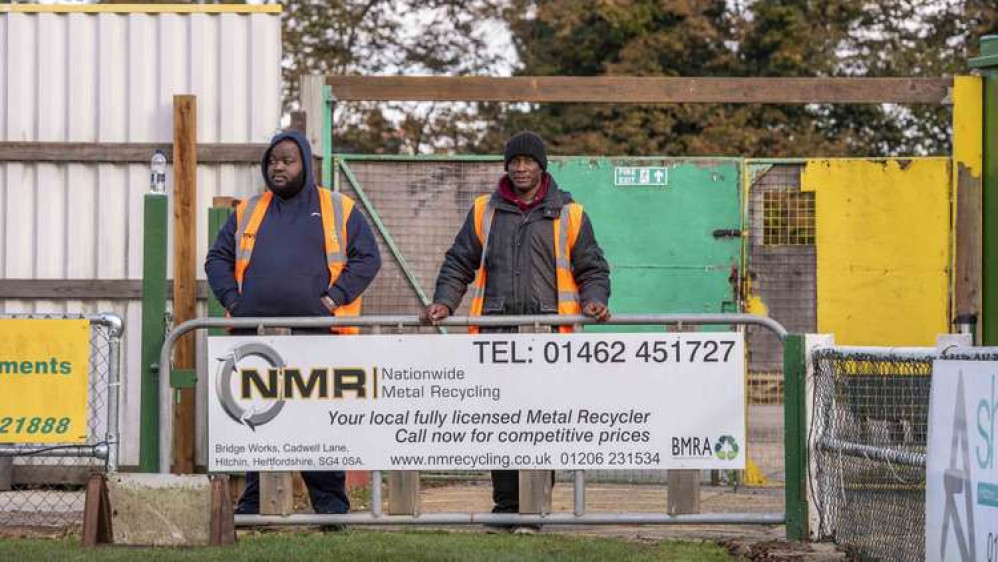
160,509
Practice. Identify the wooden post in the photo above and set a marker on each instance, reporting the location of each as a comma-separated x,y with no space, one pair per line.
684,485
968,139
6,473
277,495
223,523
97,512
403,492
312,103
535,491
184,267
535,485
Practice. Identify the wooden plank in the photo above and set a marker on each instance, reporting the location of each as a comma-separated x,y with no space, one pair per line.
535,485
683,485
6,473
276,488
276,493
684,491
49,475
223,201
184,270
311,102
535,491
125,152
223,525
298,122
969,246
82,289
630,89
403,492
97,513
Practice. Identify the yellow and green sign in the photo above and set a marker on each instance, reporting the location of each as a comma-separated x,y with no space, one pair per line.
44,367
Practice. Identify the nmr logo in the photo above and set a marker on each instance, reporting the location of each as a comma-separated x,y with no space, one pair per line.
278,383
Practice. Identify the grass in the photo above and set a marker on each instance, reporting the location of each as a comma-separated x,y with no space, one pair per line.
363,545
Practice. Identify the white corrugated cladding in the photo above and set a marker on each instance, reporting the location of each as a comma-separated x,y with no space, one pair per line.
106,76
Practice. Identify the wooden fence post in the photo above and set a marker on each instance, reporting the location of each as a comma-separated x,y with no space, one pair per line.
184,267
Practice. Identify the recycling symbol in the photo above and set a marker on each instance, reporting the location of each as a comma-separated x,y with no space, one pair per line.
726,448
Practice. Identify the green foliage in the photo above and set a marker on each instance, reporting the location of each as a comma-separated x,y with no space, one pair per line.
762,38
366,37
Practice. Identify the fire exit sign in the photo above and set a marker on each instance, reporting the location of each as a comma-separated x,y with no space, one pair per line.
627,176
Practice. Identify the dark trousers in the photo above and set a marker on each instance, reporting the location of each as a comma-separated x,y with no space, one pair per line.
506,490
326,489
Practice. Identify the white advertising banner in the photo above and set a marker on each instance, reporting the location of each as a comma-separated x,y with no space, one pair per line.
463,402
961,491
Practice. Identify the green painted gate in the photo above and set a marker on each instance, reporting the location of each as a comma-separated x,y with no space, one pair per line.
670,228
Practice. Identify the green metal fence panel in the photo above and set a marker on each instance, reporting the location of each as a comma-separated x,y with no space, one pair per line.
670,228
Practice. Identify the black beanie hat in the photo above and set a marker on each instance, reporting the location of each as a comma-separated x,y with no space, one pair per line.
529,144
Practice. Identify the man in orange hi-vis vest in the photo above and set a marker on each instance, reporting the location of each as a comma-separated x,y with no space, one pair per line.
526,248
296,249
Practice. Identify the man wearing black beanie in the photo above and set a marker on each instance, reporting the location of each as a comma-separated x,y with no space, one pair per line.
508,250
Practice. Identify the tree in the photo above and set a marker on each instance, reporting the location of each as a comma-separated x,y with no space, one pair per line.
367,37
762,38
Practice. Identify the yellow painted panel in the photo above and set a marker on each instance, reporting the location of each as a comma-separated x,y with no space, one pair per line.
44,377
144,8
968,120
882,248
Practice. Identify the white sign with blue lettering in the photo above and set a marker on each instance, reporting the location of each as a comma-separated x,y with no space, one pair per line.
961,490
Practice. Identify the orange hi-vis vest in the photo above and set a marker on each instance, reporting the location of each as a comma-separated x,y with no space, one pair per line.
566,232
335,210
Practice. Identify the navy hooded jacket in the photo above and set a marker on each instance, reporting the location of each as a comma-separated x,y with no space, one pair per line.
287,274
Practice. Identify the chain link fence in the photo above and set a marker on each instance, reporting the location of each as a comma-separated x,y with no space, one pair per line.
868,435
47,481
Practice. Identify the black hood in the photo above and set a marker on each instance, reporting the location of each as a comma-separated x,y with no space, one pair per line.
308,179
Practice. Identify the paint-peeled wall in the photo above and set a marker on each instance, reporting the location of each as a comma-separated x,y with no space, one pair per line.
883,238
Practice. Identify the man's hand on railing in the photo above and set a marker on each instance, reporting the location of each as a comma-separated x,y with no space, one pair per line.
434,312
596,310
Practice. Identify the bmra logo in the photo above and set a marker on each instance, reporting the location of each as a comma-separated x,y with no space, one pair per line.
272,386
725,447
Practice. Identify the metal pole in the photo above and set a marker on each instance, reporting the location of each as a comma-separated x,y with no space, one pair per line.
153,328
987,63
863,451
514,519
166,412
579,484
116,328
857,352
98,451
376,501
795,436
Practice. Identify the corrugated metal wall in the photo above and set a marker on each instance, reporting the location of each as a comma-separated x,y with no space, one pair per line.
111,77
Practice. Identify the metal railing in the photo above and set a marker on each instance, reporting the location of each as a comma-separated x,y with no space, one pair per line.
376,516
46,501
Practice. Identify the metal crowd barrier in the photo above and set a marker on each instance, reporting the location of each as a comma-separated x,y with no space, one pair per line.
376,516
